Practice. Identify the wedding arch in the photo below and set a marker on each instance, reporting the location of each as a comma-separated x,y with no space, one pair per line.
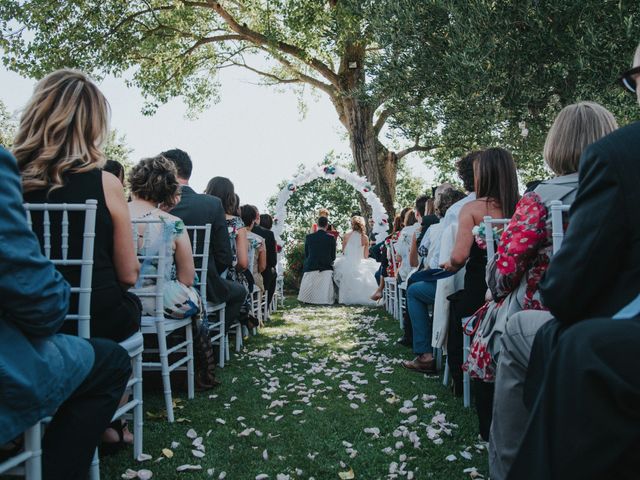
330,172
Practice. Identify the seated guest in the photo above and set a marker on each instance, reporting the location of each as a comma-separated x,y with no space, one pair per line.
595,273
263,228
403,245
115,168
257,250
523,255
389,264
443,328
320,253
200,209
58,151
155,191
79,382
224,189
496,187
585,424
428,219
421,294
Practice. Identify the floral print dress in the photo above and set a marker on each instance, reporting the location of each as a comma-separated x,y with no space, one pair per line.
521,260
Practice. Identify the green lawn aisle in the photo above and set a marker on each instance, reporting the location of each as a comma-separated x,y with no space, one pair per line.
320,394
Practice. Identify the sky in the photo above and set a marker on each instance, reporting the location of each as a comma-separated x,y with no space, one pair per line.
255,135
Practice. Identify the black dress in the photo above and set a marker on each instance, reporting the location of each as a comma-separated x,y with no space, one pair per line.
115,313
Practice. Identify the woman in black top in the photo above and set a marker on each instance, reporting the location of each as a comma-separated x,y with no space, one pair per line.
58,152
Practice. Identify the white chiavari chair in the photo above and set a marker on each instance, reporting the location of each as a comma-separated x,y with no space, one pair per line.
200,237
154,252
557,223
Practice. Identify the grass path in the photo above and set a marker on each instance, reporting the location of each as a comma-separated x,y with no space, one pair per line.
320,394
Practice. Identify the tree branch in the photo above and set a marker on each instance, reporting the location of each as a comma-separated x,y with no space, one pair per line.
267,74
416,148
382,119
261,40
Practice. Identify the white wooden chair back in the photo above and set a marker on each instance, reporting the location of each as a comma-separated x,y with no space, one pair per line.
200,237
60,213
489,223
557,223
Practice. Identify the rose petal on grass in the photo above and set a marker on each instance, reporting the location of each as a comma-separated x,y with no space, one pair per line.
348,475
188,467
143,457
197,453
145,474
191,433
167,453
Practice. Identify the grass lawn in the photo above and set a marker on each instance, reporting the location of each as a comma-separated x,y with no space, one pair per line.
319,393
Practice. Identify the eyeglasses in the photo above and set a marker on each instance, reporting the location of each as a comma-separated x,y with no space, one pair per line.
628,81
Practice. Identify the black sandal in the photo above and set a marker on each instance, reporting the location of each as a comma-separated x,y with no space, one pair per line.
111,448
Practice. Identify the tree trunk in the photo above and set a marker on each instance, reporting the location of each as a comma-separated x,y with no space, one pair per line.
373,160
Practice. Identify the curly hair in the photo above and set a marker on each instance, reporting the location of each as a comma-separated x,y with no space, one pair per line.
466,171
357,224
445,199
155,179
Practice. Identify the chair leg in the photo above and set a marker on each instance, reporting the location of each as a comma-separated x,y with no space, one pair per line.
238,338
466,380
33,443
191,391
138,411
223,336
447,374
164,366
94,469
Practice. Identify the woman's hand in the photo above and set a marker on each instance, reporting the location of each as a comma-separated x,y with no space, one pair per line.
449,267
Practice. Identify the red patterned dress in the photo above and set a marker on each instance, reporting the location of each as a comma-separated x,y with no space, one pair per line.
522,258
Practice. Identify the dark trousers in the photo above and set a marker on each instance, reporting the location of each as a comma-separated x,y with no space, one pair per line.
71,438
585,421
269,278
235,300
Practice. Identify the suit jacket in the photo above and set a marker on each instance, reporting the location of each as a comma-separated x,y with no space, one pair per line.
200,209
597,270
270,243
319,252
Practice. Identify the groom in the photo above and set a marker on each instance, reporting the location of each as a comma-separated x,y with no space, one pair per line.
320,253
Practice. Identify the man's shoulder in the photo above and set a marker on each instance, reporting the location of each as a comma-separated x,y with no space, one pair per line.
622,145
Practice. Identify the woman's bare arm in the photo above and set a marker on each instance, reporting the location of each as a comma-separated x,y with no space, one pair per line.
262,258
242,247
125,261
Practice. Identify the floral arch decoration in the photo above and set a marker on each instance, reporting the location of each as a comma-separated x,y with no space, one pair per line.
330,172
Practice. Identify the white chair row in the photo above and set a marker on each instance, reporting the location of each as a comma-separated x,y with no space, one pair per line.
56,218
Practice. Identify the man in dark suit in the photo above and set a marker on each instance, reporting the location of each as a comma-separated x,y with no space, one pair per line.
319,253
595,273
199,209
319,249
269,274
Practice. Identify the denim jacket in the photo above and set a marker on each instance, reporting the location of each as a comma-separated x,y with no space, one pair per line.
39,369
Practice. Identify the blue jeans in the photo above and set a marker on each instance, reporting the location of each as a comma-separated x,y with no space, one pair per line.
419,296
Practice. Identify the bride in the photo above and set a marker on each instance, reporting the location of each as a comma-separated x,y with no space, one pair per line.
354,271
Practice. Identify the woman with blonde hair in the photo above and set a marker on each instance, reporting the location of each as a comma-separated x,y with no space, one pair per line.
354,271
58,148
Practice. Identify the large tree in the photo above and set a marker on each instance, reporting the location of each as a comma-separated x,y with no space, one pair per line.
507,69
175,47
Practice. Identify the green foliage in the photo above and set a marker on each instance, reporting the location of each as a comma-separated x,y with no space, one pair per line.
294,257
503,71
7,126
116,148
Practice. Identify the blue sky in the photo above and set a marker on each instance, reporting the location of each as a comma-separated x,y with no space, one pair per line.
255,135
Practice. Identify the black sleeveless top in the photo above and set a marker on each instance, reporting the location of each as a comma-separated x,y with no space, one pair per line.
111,309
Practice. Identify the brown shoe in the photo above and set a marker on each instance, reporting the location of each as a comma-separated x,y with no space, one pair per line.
421,366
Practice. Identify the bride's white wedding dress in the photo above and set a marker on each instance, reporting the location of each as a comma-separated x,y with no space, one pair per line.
354,274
